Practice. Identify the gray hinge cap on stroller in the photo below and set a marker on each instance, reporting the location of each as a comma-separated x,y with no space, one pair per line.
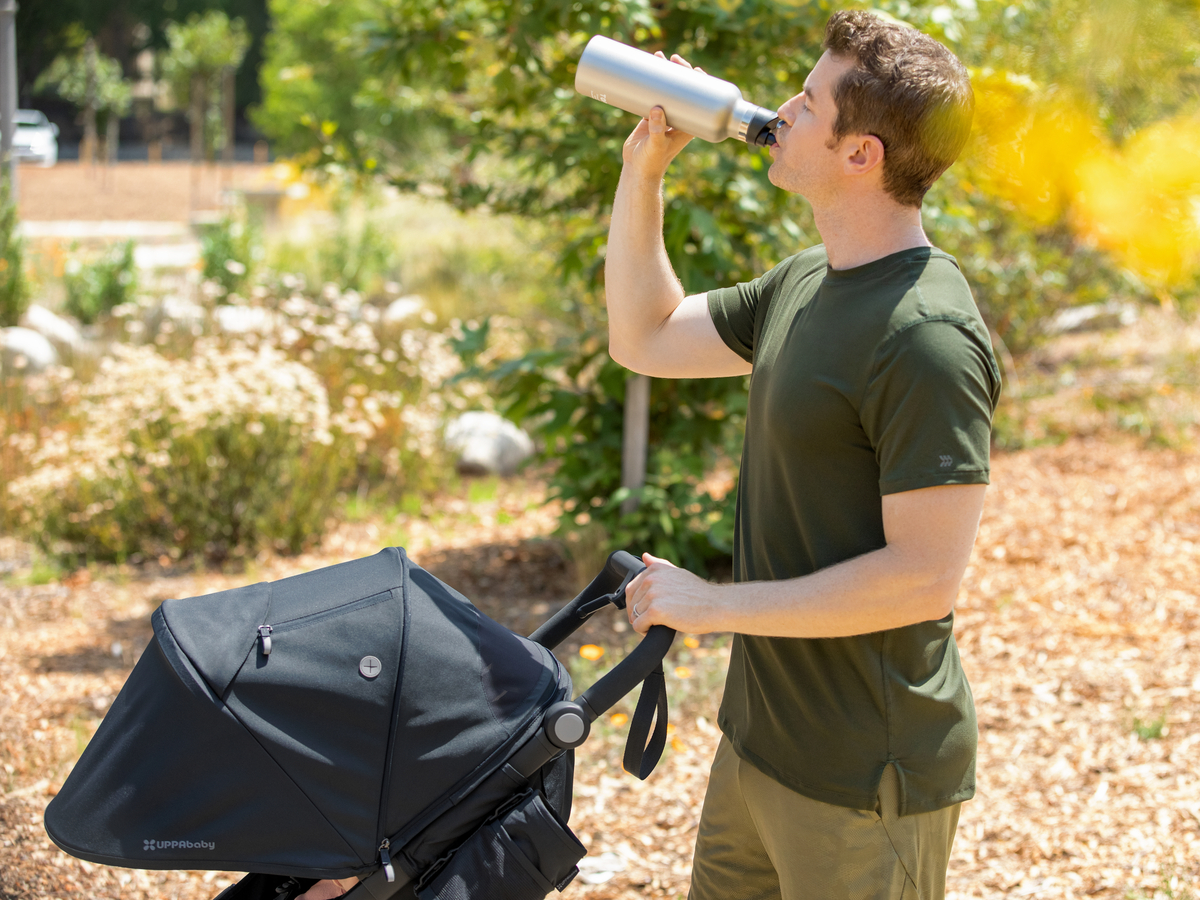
363,719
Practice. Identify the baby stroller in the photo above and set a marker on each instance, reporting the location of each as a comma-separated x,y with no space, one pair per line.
362,719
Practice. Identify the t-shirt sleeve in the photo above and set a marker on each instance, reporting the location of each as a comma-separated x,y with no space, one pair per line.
928,406
733,311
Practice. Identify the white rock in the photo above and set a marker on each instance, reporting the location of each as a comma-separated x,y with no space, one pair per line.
242,319
403,307
487,444
1093,317
182,311
52,326
24,351
600,869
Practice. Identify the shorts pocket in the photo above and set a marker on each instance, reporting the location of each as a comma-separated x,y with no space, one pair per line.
523,854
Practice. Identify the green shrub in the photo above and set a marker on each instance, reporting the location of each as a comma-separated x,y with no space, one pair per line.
220,454
574,397
229,250
14,289
93,289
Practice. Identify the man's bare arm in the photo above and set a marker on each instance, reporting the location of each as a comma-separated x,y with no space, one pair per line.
914,578
653,328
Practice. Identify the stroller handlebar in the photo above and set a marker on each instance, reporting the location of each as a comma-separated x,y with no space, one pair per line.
626,675
567,723
607,587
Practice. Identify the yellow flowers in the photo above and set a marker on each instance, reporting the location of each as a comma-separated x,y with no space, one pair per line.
591,652
1045,152
618,719
691,642
683,672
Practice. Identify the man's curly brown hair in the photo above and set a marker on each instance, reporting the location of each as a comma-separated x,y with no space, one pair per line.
905,89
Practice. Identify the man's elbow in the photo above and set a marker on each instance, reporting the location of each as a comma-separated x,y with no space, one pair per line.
624,355
939,594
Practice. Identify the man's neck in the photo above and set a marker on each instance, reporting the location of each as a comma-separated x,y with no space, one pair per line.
856,233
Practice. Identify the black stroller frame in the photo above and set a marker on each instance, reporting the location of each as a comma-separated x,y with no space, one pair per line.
498,831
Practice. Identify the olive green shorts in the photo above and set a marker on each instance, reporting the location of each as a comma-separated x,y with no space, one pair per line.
759,840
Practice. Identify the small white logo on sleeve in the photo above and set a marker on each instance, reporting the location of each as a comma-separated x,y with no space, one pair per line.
946,461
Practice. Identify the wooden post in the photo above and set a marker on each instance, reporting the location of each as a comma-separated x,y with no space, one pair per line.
112,137
228,111
197,114
636,437
87,151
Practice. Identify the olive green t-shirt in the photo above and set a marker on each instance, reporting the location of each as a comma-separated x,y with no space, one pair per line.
866,381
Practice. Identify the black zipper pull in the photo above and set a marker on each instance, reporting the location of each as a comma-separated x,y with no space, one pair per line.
264,635
387,860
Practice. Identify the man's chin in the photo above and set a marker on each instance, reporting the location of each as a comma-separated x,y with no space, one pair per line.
778,176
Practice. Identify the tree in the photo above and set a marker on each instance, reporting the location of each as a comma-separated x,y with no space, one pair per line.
94,83
200,52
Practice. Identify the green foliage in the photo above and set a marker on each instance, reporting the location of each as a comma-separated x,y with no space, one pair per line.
69,76
1150,729
356,252
574,397
199,50
225,491
229,250
14,288
202,47
93,289
1132,61
495,80
219,454
315,84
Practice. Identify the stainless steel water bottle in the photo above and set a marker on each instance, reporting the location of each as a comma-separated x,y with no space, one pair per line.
696,103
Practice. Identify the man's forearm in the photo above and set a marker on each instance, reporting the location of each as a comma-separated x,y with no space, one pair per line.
640,286
873,592
914,578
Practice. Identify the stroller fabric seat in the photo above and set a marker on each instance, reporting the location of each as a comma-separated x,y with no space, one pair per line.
348,721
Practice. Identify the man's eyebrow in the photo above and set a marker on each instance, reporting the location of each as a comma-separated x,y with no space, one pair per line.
808,90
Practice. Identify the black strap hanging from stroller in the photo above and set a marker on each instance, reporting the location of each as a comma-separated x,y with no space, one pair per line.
641,756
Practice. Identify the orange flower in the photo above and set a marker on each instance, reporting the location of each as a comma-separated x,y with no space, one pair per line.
677,745
591,652
618,719
683,672
691,643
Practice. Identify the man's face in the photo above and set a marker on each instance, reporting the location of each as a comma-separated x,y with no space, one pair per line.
804,163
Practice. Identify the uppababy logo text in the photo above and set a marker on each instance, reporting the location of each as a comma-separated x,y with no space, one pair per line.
178,845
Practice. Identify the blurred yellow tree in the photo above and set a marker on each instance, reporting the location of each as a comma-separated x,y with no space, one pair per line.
1091,120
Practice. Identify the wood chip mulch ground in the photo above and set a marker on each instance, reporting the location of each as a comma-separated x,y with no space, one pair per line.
1078,625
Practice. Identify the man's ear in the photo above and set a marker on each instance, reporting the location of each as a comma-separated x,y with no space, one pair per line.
865,154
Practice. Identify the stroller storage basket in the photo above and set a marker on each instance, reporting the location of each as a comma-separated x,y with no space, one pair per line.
522,855
364,720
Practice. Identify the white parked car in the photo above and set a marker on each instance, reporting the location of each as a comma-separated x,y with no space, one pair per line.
36,138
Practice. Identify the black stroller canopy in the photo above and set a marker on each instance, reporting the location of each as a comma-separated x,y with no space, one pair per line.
351,703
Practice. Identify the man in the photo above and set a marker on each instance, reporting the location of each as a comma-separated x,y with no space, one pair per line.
848,727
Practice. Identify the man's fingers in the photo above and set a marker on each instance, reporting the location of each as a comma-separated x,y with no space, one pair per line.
649,559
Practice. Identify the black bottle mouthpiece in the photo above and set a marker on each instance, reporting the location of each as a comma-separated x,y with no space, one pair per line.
761,130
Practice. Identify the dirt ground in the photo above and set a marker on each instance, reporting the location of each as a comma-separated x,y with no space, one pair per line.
137,191
1077,625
